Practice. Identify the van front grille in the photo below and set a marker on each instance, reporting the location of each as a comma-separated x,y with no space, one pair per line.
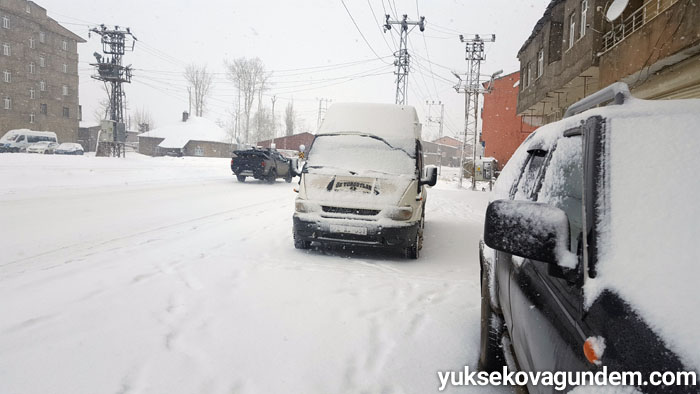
351,211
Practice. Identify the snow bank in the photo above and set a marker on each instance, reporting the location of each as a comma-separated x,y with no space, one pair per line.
195,129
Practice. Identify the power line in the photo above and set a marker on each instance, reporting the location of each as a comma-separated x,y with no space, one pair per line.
360,31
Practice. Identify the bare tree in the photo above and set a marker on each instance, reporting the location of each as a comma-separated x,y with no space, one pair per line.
289,118
250,78
263,123
102,111
200,82
143,119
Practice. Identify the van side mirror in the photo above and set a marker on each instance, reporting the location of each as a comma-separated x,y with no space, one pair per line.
527,229
430,177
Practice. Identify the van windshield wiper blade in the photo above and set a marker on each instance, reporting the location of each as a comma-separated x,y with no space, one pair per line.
388,144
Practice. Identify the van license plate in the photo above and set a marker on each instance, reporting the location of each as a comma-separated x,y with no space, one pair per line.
348,229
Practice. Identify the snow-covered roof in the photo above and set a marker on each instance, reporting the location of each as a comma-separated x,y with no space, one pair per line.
177,135
383,120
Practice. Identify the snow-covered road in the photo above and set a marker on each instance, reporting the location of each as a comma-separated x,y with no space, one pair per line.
165,275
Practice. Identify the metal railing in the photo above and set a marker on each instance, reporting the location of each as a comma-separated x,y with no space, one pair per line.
643,15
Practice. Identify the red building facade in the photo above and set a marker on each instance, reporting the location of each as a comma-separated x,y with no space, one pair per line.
503,130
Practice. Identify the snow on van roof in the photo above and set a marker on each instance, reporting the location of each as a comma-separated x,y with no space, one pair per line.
27,131
177,135
383,120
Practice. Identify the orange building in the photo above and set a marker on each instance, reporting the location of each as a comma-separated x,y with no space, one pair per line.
503,130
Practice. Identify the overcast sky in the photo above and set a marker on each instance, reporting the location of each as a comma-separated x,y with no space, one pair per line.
293,38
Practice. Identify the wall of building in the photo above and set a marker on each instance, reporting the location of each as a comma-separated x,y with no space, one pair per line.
23,27
291,142
432,153
502,129
209,149
148,145
562,65
661,59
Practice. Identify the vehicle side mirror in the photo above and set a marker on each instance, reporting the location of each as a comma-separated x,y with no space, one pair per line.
527,229
430,178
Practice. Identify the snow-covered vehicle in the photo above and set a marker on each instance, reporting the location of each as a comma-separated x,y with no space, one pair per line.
44,147
364,181
262,164
591,245
69,148
19,140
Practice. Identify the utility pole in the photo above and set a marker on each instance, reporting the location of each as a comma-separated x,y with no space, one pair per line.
322,108
440,122
110,69
402,57
471,87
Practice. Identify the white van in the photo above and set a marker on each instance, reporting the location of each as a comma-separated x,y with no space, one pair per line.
363,182
19,140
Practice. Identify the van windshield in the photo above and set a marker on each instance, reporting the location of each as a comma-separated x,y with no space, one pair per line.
360,154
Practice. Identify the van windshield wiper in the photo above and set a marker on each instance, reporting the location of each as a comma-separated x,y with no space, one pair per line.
306,167
388,144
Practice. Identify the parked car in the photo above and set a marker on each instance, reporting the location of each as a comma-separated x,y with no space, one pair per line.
260,163
18,140
590,248
69,148
364,182
45,147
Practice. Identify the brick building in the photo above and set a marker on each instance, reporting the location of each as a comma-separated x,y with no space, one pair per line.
574,50
39,71
502,129
291,142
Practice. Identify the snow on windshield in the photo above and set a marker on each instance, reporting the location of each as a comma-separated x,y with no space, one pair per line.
361,154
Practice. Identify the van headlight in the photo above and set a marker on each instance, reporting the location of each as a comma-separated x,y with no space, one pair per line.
302,206
403,213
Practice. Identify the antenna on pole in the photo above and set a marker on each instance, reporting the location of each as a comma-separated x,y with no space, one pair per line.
402,57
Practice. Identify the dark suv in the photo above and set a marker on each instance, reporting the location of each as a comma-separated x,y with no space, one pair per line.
591,254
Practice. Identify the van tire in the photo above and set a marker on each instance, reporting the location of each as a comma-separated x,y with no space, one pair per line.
412,252
241,178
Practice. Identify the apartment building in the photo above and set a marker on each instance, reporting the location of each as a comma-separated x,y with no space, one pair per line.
579,47
39,71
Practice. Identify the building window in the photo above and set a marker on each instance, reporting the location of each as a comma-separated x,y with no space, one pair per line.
44,109
31,68
8,103
64,45
7,76
42,62
31,43
584,11
28,9
6,49
5,22
528,74
42,86
31,117
32,94
66,112
65,90
540,63
42,37
65,68
198,151
572,29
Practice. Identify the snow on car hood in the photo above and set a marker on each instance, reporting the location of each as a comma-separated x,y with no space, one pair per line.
355,191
